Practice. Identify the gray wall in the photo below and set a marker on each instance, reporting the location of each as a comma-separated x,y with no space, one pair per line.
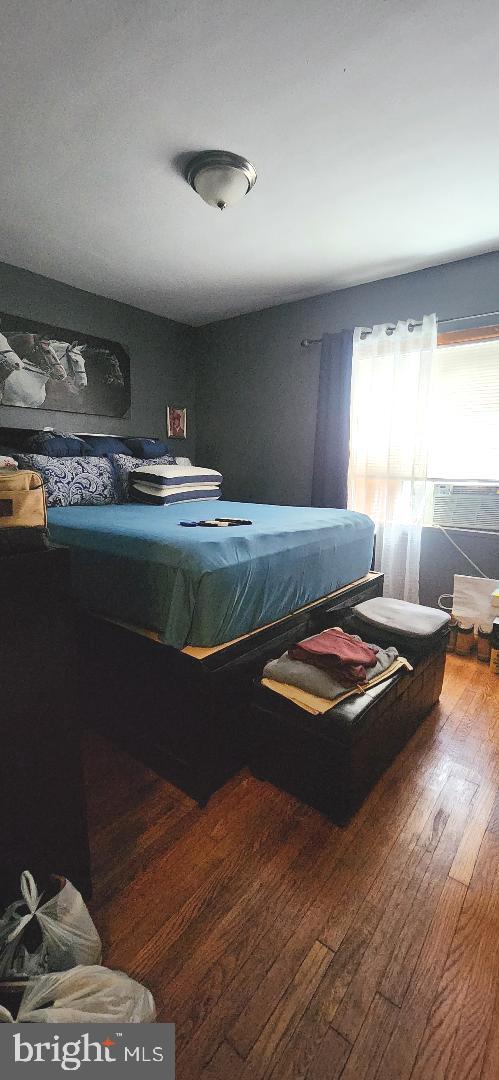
257,388
440,560
162,355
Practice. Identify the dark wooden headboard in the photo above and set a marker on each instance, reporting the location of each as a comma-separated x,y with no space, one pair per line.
16,438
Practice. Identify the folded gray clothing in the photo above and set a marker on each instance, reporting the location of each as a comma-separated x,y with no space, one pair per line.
316,681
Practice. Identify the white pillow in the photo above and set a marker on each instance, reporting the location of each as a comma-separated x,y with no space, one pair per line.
175,474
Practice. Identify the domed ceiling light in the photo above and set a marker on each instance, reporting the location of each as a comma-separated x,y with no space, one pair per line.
220,178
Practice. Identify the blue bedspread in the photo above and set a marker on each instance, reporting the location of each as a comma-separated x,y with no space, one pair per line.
206,586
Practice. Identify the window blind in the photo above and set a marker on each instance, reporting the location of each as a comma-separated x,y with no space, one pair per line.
464,439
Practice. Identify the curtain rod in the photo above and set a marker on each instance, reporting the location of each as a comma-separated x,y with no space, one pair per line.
456,318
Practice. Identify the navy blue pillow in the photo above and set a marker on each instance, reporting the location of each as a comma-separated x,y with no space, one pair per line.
52,444
147,448
103,445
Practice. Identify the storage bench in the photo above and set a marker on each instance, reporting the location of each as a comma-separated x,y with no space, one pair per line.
332,760
185,712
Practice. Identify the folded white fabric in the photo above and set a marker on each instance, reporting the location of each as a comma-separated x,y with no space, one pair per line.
160,484
415,620
161,473
7,462
318,682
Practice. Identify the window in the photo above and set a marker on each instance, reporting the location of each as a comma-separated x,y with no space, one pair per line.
464,440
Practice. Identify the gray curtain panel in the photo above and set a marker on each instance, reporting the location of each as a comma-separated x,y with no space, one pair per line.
332,437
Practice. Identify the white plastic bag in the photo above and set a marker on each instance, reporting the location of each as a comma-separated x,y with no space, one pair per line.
93,995
68,934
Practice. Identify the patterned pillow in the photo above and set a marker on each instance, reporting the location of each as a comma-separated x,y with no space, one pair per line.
124,464
74,481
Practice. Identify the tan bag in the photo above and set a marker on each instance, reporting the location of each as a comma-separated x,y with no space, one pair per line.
22,500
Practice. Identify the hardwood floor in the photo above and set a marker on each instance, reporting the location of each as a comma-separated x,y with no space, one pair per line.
285,947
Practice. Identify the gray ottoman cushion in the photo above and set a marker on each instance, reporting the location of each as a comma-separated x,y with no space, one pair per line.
411,620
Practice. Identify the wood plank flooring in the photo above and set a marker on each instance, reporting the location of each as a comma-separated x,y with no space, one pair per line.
286,948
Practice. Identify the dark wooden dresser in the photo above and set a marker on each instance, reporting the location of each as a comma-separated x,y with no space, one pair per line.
42,804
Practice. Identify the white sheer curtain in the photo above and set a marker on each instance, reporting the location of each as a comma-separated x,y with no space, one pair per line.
389,436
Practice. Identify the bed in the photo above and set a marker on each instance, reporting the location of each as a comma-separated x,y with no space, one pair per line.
204,586
176,623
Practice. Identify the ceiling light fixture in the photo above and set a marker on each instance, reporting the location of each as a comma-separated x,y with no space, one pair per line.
220,178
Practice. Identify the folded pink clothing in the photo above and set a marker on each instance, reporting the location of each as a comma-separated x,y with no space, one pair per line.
340,654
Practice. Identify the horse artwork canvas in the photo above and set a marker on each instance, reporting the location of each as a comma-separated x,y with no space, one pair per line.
51,367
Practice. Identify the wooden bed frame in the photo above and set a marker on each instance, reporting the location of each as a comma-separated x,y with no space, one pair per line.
183,712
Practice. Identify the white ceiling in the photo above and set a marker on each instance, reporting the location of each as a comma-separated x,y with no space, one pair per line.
372,125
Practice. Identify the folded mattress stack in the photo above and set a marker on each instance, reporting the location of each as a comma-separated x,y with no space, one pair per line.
161,484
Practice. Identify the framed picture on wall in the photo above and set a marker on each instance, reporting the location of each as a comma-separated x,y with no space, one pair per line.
51,367
176,423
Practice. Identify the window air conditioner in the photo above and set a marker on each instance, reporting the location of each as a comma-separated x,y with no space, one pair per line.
466,506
